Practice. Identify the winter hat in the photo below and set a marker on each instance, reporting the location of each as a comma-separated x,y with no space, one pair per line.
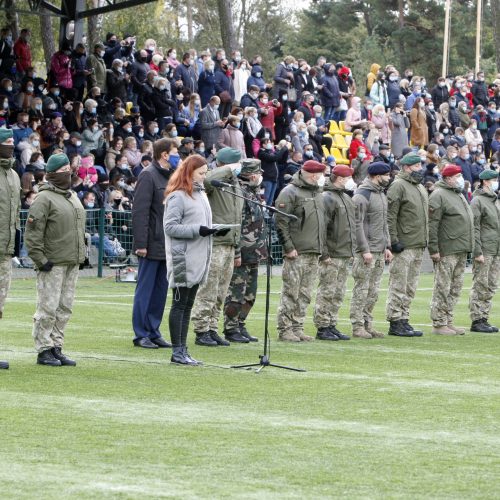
226,156
450,170
379,168
56,162
5,133
313,167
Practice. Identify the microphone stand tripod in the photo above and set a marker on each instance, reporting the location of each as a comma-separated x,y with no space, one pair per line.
264,359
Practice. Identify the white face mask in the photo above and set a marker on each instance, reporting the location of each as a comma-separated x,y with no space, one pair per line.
321,181
460,183
494,186
350,185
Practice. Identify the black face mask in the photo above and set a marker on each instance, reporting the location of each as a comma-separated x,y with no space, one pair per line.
61,180
6,151
418,176
143,59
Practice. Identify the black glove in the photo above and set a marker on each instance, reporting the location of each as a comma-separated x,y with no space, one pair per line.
397,247
222,232
206,231
47,267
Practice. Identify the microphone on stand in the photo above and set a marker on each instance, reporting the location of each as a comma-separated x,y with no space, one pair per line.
220,184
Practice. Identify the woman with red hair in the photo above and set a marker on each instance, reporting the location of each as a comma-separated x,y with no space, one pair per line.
187,225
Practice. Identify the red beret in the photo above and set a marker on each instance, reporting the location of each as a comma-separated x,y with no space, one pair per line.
313,166
450,170
343,171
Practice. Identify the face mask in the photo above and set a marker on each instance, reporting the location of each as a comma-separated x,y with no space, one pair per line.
265,101
162,87
156,130
369,107
56,93
350,185
467,156
41,88
118,201
6,151
268,146
174,161
216,107
211,68
445,131
435,171
141,134
473,150
61,180
459,85
78,143
124,166
418,175
494,186
29,89
318,115
361,156
481,161
5,105
95,129
384,182
460,183
393,78
101,53
441,84
284,98
253,95
474,127
36,143
90,204
173,133
198,103
309,154
258,75
431,107
321,181
243,66
128,130
266,136
237,170
9,89
453,104
201,150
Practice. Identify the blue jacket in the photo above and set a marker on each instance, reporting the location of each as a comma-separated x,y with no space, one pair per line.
21,133
330,93
223,83
466,169
188,77
206,87
257,80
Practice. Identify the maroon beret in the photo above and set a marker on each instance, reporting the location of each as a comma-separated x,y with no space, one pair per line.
450,170
313,166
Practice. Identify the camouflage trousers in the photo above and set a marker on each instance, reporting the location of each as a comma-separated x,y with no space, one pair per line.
484,285
240,296
212,293
331,291
5,278
365,290
404,271
55,295
448,281
298,277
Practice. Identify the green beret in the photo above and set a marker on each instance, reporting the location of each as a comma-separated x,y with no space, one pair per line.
410,159
56,162
227,156
5,133
250,166
486,175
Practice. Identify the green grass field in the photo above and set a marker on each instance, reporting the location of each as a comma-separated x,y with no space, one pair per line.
389,418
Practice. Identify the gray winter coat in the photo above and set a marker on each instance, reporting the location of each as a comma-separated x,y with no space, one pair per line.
188,253
210,132
399,136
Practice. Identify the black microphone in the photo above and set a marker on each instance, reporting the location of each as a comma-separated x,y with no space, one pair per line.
220,184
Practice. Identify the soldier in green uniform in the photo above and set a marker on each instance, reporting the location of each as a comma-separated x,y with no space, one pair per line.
303,241
373,242
55,238
10,201
486,267
451,238
243,287
408,222
340,222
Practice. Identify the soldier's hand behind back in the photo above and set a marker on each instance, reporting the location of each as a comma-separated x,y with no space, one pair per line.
367,257
292,254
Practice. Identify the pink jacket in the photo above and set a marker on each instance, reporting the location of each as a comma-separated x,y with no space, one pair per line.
60,65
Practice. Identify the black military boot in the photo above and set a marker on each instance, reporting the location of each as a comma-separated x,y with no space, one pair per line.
494,329
57,353
325,334
339,335
245,333
205,339
47,358
190,358
4,365
479,325
178,357
416,333
398,329
235,336
215,336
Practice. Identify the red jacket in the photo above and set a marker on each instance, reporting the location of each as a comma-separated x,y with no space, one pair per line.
353,149
268,120
60,65
22,50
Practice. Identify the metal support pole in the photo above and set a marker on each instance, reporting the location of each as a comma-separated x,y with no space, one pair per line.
102,222
447,9
478,35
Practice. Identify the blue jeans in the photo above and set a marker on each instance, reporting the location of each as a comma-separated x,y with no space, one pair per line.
269,190
339,116
329,112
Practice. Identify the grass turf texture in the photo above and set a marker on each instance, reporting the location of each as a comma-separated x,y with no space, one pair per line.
389,418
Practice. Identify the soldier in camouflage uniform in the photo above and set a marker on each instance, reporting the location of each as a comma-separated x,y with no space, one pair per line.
10,201
451,238
373,242
486,267
341,245
55,238
226,209
243,287
303,241
408,222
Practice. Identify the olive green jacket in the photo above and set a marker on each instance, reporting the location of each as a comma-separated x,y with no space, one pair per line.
451,223
226,208
408,212
307,233
55,229
340,220
486,223
10,201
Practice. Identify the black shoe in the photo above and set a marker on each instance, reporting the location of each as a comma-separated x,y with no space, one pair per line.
215,336
160,342
416,333
236,336
339,335
480,326
57,353
326,334
4,365
244,332
398,329
179,357
205,339
494,329
47,358
188,356
145,343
